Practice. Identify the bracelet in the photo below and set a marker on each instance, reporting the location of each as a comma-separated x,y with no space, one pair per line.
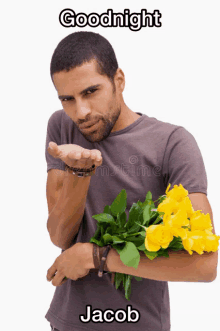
100,258
81,172
97,254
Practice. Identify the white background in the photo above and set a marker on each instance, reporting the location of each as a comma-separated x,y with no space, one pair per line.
172,73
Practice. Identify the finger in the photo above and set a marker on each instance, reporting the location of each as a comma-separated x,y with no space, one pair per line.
96,158
95,154
98,163
86,153
64,281
59,279
74,155
51,272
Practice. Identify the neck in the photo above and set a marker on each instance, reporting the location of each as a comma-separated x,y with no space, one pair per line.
126,118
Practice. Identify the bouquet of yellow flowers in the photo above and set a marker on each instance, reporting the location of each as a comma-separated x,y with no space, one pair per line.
173,225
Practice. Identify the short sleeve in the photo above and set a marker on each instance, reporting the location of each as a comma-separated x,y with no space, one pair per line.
183,162
54,134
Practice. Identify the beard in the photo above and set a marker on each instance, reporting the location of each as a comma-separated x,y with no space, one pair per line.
104,128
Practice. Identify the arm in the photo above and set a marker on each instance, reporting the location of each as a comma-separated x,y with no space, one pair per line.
67,193
66,197
180,266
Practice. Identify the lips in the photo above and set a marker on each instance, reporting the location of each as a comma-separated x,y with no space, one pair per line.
87,125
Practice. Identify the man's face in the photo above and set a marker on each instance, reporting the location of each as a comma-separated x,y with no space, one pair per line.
87,97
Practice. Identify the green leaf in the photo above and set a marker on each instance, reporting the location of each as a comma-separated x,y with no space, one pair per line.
107,210
148,202
139,203
150,255
163,252
124,280
124,235
136,240
143,233
153,214
134,214
117,240
148,196
141,247
108,230
97,242
161,198
118,279
106,218
146,215
128,286
118,247
138,278
121,219
120,203
176,244
133,234
107,238
134,228
158,220
129,255
103,228
97,232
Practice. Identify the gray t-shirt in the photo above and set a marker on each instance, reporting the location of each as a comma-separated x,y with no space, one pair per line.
145,156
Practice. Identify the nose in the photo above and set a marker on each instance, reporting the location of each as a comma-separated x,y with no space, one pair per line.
83,110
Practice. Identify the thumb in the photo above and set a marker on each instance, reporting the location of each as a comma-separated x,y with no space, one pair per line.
53,149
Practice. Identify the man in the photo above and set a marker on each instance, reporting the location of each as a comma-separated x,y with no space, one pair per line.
129,150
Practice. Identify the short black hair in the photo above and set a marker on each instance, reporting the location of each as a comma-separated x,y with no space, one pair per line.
81,47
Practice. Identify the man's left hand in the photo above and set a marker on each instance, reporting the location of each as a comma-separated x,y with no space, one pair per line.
73,263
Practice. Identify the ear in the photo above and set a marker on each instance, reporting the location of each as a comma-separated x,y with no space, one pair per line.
119,80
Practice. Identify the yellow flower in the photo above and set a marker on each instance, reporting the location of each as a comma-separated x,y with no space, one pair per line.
179,232
168,206
209,232
200,221
179,213
211,242
167,190
175,222
157,236
186,205
195,241
178,192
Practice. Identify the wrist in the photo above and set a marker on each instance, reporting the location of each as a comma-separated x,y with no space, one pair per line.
88,250
81,172
102,260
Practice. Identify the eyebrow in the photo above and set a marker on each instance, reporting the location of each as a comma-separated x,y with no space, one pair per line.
82,92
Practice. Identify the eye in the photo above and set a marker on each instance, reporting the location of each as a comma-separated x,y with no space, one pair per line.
90,91
66,99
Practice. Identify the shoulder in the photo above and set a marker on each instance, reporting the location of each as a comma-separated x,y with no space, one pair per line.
56,117
161,128
162,134
168,131
60,119
60,122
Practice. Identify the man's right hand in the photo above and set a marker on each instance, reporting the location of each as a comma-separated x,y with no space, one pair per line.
75,156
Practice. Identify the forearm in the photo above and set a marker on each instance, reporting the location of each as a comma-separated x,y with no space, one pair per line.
179,267
65,218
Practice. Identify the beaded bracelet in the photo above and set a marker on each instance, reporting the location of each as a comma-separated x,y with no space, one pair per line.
81,172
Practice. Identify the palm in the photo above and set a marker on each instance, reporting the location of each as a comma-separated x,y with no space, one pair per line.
74,155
